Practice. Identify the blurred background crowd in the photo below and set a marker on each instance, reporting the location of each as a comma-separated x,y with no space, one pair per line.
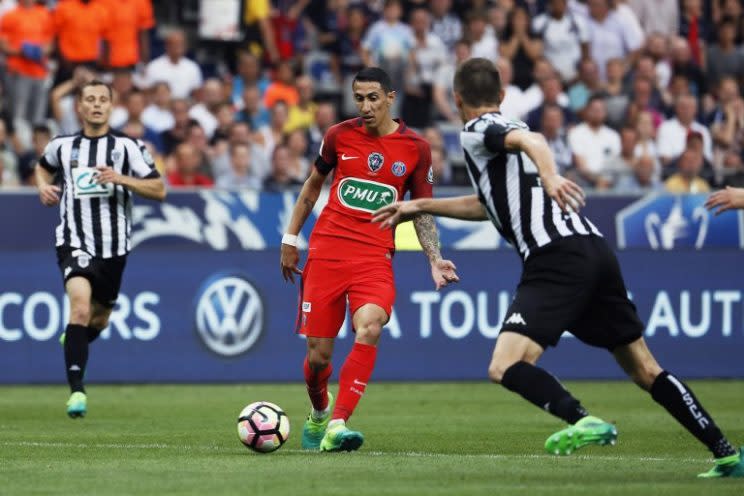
633,96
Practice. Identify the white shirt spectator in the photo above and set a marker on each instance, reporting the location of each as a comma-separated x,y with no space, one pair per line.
657,16
611,39
532,98
448,28
487,47
158,119
511,105
562,39
429,59
119,117
204,117
596,147
183,77
388,41
69,123
671,139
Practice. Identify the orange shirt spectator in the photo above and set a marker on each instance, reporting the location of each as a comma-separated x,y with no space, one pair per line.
80,27
127,20
282,87
31,25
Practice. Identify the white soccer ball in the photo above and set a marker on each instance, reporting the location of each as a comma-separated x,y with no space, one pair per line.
263,427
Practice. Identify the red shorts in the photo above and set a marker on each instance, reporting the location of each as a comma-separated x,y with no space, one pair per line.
326,285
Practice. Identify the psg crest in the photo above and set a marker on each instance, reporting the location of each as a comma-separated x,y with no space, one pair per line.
375,161
399,169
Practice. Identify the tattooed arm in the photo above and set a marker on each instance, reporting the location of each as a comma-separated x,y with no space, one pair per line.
305,203
442,271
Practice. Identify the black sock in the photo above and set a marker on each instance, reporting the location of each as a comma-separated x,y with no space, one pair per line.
76,355
93,334
543,390
678,399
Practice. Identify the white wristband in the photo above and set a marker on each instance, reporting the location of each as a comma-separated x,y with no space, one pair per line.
289,239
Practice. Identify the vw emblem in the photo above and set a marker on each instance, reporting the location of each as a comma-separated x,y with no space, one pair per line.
229,314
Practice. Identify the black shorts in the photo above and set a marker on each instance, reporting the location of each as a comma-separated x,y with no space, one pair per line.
104,274
574,284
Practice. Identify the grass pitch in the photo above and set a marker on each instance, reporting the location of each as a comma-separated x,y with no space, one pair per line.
421,439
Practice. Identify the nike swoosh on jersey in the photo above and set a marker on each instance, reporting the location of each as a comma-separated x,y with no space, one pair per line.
344,157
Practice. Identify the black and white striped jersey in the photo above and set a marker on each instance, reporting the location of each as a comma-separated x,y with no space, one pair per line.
96,218
508,185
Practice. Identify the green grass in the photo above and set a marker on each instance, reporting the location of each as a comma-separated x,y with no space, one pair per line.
421,439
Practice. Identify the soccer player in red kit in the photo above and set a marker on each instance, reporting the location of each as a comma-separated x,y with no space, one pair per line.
375,161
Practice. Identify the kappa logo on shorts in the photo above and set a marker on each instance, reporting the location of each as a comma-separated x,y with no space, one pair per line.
515,318
375,161
306,306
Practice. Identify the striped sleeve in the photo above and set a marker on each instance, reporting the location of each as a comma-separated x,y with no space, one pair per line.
141,163
50,158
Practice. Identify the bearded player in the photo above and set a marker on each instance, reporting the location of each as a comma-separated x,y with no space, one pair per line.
375,160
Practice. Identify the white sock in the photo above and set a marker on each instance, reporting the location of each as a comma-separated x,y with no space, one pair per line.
321,414
335,422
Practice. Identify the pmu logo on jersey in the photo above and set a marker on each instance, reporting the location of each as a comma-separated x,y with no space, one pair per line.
229,314
367,196
399,169
667,222
375,161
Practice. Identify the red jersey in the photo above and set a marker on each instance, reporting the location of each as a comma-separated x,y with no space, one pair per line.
370,172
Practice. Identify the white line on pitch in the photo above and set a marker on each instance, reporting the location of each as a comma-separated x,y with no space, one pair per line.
408,454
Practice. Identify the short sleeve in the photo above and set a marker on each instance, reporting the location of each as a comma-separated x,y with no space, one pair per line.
421,182
145,18
141,163
494,134
327,157
50,158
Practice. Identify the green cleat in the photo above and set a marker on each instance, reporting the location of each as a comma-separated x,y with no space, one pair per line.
589,430
77,405
62,338
314,429
730,466
338,437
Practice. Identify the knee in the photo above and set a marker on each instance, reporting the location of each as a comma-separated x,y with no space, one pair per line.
98,322
645,374
318,358
80,313
496,370
369,332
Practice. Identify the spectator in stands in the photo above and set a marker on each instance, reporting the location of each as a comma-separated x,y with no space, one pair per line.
249,74
684,65
615,98
296,143
645,100
533,96
225,120
565,38
282,87
302,114
259,31
63,100
512,106
672,134
127,35
643,179
732,9
27,163
646,146
624,164
346,55
687,179
197,138
281,178
182,74
551,90
446,25
205,112
482,38
442,94
659,16
727,121
440,165
732,172
426,57
657,47
81,26
609,37
186,172
26,36
387,44
157,115
594,144
695,28
268,137
520,45
253,111
8,160
553,128
135,107
724,57
587,85
178,133
240,174
325,117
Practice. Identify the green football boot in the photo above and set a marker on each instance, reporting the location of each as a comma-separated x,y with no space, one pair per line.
589,430
77,405
314,429
730,466
338,437
62,338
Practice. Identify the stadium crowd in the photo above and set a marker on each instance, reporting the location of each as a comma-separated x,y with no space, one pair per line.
632,95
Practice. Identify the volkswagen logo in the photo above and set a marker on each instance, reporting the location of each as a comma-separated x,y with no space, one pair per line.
229,314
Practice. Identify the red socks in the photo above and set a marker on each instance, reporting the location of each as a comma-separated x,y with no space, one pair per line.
317,385
355,373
